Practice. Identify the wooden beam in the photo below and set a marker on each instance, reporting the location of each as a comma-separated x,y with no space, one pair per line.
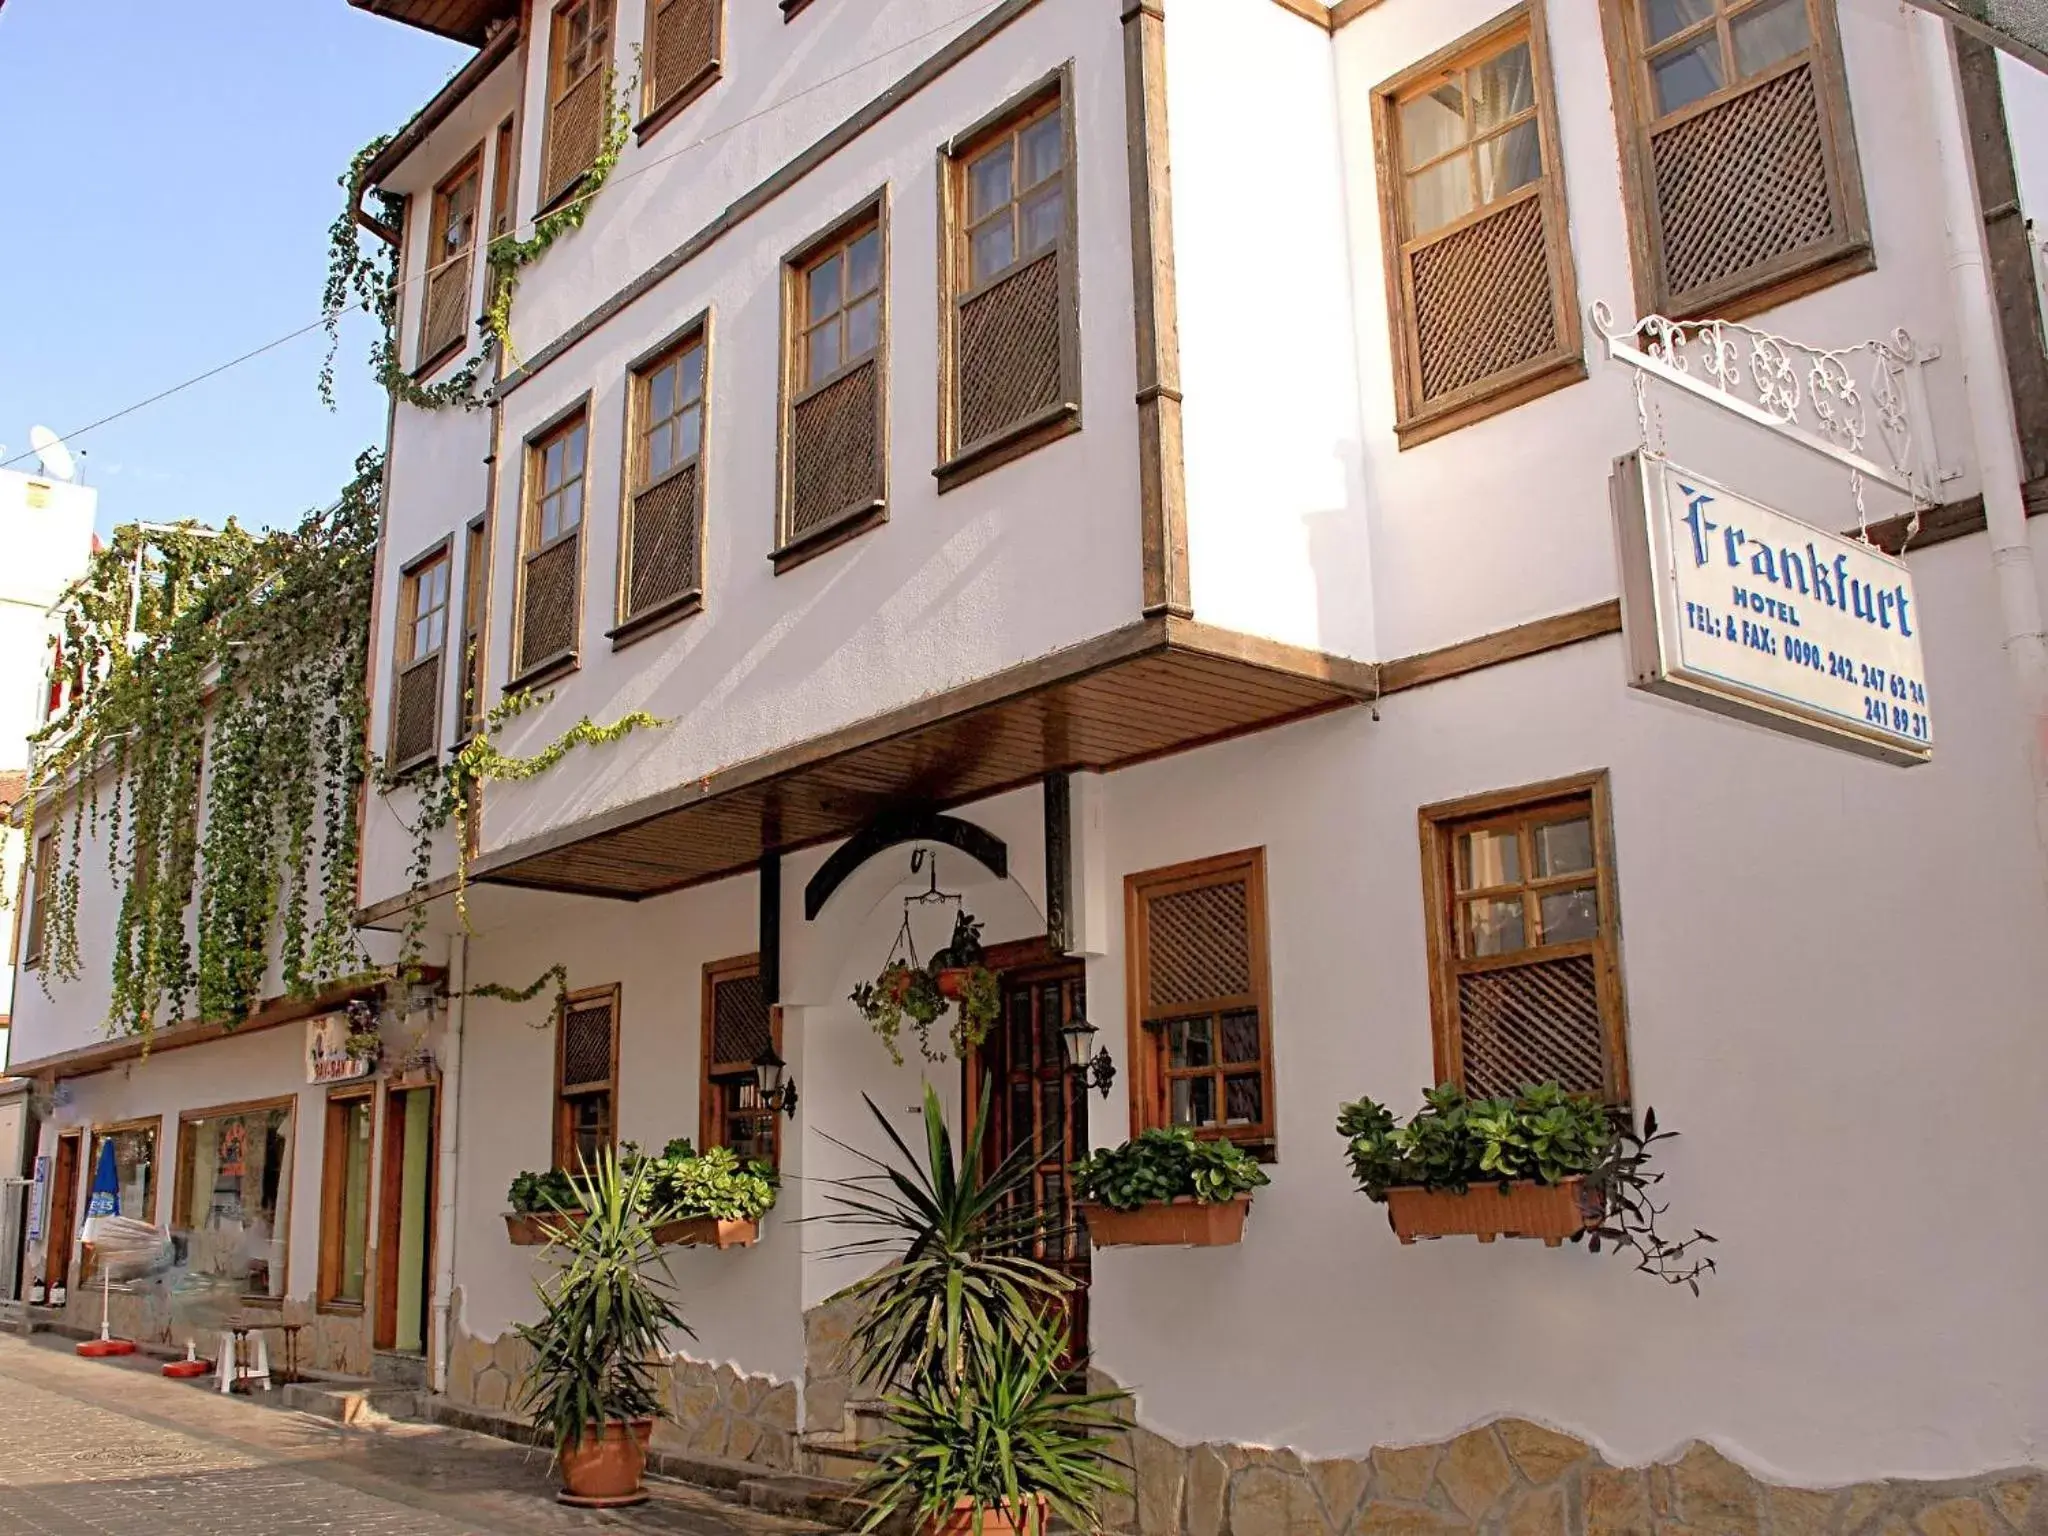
1162,472
1516,644
1059,862
771,927
173,1037
1315,12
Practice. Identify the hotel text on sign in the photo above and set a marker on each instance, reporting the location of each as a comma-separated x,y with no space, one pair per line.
1759,616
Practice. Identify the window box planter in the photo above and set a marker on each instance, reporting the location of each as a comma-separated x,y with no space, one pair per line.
536,1229
1524,1208
1182,1223
708,1232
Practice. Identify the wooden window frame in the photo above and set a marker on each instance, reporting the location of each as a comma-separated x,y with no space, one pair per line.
153,1124
790,552
469,168
713,1119
504,179
335,1112
536,443
628,627
471,660
1417,421
558,88
181,1182
655,115
1440,825
961,462
564,1120
404,658
39,871
1772,283
1146,1033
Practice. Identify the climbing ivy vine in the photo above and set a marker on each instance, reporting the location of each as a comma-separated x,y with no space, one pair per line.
363,270
213,744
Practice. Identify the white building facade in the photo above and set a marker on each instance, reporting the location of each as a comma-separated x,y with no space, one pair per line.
1156,457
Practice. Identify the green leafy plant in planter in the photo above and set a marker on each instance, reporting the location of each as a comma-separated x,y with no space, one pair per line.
535,1194
1169,1164
608,1309
711,1183
1542,1135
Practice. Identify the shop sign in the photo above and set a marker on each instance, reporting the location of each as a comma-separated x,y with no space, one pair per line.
38,1195
327,1056
1748,612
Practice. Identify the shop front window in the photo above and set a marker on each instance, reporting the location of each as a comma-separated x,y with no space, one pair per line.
233,1203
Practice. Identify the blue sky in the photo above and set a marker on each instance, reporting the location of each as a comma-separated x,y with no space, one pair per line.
167,176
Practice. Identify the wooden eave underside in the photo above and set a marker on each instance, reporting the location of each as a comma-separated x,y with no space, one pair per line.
463,20
1160,686
271,1014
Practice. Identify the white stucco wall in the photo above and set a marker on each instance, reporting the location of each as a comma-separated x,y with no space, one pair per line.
1038,555
1833,971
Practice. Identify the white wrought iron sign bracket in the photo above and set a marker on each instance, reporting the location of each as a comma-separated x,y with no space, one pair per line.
1864,406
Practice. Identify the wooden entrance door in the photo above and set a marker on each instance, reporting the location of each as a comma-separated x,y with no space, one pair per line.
1038,1101
63,1211
405,1221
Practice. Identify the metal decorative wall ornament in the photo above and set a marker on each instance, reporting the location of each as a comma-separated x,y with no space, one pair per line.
1863,406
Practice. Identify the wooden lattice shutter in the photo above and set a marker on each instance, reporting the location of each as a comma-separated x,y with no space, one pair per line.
661,559
416,711
547,626
587,1044
447,308
1532,1024
1010,351
683,52
835,450
1484,301
740,1024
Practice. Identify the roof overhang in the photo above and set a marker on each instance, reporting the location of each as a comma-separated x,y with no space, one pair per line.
441,108
466,21
1162,685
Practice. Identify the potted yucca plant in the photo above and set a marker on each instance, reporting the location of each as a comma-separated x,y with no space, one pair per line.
968,1336
608,1310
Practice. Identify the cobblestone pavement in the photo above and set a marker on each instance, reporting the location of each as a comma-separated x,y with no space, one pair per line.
92,1447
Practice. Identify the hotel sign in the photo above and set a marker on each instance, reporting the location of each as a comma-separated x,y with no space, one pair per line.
327,1055
1745,611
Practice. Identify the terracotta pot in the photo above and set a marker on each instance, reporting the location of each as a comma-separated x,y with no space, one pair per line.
1524,1208
603,1471
998,1520
707,1232
1182,1223
951,982
896,986
535,1229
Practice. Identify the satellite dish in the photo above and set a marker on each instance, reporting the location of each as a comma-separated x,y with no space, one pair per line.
49,448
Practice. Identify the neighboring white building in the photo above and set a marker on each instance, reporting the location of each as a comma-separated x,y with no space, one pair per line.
48,524
1157,455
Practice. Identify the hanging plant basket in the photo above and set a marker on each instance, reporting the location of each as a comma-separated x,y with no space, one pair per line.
1556,1213
1182,1223
955,979
536,1229
707,1232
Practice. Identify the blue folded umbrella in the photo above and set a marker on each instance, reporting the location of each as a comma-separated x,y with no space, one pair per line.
106,1192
